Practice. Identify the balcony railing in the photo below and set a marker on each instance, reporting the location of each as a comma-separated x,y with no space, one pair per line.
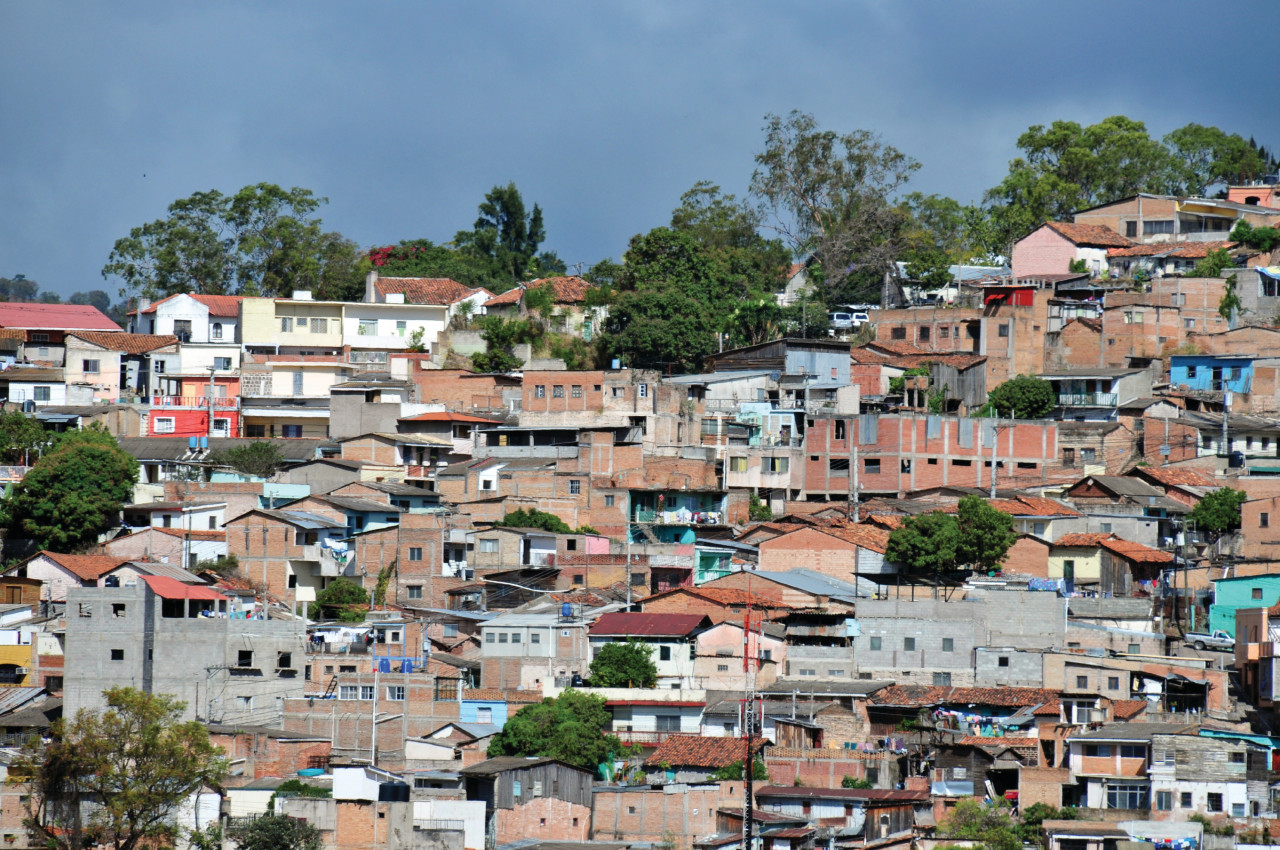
678,517
1088,400
194,401
645,736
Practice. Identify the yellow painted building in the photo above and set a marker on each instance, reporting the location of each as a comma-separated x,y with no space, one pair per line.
17,657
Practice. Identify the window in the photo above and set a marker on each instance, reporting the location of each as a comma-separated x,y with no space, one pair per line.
401,326
502,637
667,722
1088,455
898,333
222,364
1164,800
834,672
737,464
808,671
1257,593
1135,649
1002,661
540,391
1104,527
909,644
557,391
1113,683
90,366
1236,758
923,333
117,609
415,553
182,329
39,337
117,655
395,692
489,637
1068,457
777,464
244,658
1133,751
1184,800
489,545
415,592
255,430
874,644
871,465
576,391
41,393
1213,802
942,680
516,637
286,325
643,391
619,392
1237,810
366,692
215,330
608,501
1037,528
1126,796
575,487
1082,681
164,425
944,332
948,645
1131,229
722,668
1003,329
157,366
1152,228
319,326
535,637
348,692
1097,751
292,432
450,630
664,653
838,464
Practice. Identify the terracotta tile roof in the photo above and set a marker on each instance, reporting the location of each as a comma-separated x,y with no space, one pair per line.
861,354
1088,234
569,290
502,695
926,695
85,567
1081,539
511,296
888,521
449,416
127,343
1049,709
958,361
1180,250
862,535
1131,551
980,741
647,625
194,534
1176,477
890,347
1032,506
724,595
699,751
1126,709
55,317
426,290
223,306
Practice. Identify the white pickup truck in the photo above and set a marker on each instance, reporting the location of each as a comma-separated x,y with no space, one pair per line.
1217,639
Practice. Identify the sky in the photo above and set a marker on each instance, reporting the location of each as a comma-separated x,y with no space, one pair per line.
403,114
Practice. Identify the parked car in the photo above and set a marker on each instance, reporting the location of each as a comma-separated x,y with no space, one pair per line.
1216,639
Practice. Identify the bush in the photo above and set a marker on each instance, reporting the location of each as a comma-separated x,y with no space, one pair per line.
343,600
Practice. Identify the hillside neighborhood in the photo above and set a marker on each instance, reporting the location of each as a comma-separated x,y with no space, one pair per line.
1000,545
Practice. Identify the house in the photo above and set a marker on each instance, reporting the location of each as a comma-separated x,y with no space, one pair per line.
1209,775
1106,563
111,630
1109,766
1231,594
1128,507
1052,247
526,650
674,637
1146,218
844,551
289,550
719,662
681,759
719,604
458,428
869,814
540,798
58,572
1097,394
570,312
114,365
41,328
34,387
811,374
457,299
192,318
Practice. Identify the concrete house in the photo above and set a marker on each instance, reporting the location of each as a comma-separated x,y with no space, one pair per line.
538,798
113,365
247,672
192,318
673,636
1053,246
1097,394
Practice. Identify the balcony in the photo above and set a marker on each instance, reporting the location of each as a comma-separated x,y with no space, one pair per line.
646,737
1088,400
194,401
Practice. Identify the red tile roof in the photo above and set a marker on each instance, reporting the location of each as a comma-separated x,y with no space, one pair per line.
979,741
85,567
1131,551
861,535
126,343
1081,539
569,290
448,416
1180,250
511,296
1176,477
925,695
194,534
222,306
890,347
171,588
1088,234
723,596
1032,506
1126,709
895,795
55,317
648,625
426,290
699,751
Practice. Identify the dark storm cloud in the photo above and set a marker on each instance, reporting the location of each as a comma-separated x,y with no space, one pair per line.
404,114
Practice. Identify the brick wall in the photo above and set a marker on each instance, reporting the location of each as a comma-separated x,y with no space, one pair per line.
1044,251
545,819
816,551
653,815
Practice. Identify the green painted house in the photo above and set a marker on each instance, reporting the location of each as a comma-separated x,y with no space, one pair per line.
1231,594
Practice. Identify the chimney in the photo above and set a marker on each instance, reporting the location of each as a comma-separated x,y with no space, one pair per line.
371,287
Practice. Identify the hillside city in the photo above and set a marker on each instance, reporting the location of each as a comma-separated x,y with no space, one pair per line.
982,559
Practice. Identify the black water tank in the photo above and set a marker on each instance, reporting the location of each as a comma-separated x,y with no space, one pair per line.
1235,460
393,792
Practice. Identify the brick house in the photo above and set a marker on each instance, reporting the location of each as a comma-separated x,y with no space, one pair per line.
643,814
285,549
539,798
1053,246
840,551
694,758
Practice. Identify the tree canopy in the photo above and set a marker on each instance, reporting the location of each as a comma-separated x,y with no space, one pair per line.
506,238
273,831
624,664
73,493
985,534
925,543
534,518
116,778
1218,512
344,600
569,727
261,459
1024,397
21,437
991,826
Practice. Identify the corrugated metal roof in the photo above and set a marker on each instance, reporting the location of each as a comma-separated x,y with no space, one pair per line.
13,698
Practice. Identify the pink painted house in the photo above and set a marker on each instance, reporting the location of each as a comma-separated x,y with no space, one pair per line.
1051,248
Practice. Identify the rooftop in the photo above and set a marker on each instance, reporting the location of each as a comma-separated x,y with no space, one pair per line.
698,751
223,306
441,291
648,625
55,317
125,343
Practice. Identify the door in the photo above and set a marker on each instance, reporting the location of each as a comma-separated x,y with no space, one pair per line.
222,427
297,383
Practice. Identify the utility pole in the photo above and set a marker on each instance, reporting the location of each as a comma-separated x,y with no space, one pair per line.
856,484
995,438
212,371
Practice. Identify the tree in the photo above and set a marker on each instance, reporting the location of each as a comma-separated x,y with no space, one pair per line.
925,543
1218,512
733,771
277,832
117,777
505,236
1258,238
1215,260
851,782
534,518
501,335
263,240
94,298
569,727
972,820
985,534
1036,814
1229,304
18,288
343,600
423,258
758,511
1208,156
1024,397
21,436
261,459
829,196
624,664
73,493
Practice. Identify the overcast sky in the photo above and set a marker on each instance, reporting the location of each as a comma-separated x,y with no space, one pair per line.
404,114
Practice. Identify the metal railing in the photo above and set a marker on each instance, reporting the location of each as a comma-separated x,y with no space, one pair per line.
1088,400
194,401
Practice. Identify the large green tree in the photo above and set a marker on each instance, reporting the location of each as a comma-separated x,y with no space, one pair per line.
343,600
1207,156
570,727
21,438
925,544
624,664
534,518
507,238
990,827
263,240
261,459
985,534
1218,512
73,493
1024,397
117,777
277,832
832,195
